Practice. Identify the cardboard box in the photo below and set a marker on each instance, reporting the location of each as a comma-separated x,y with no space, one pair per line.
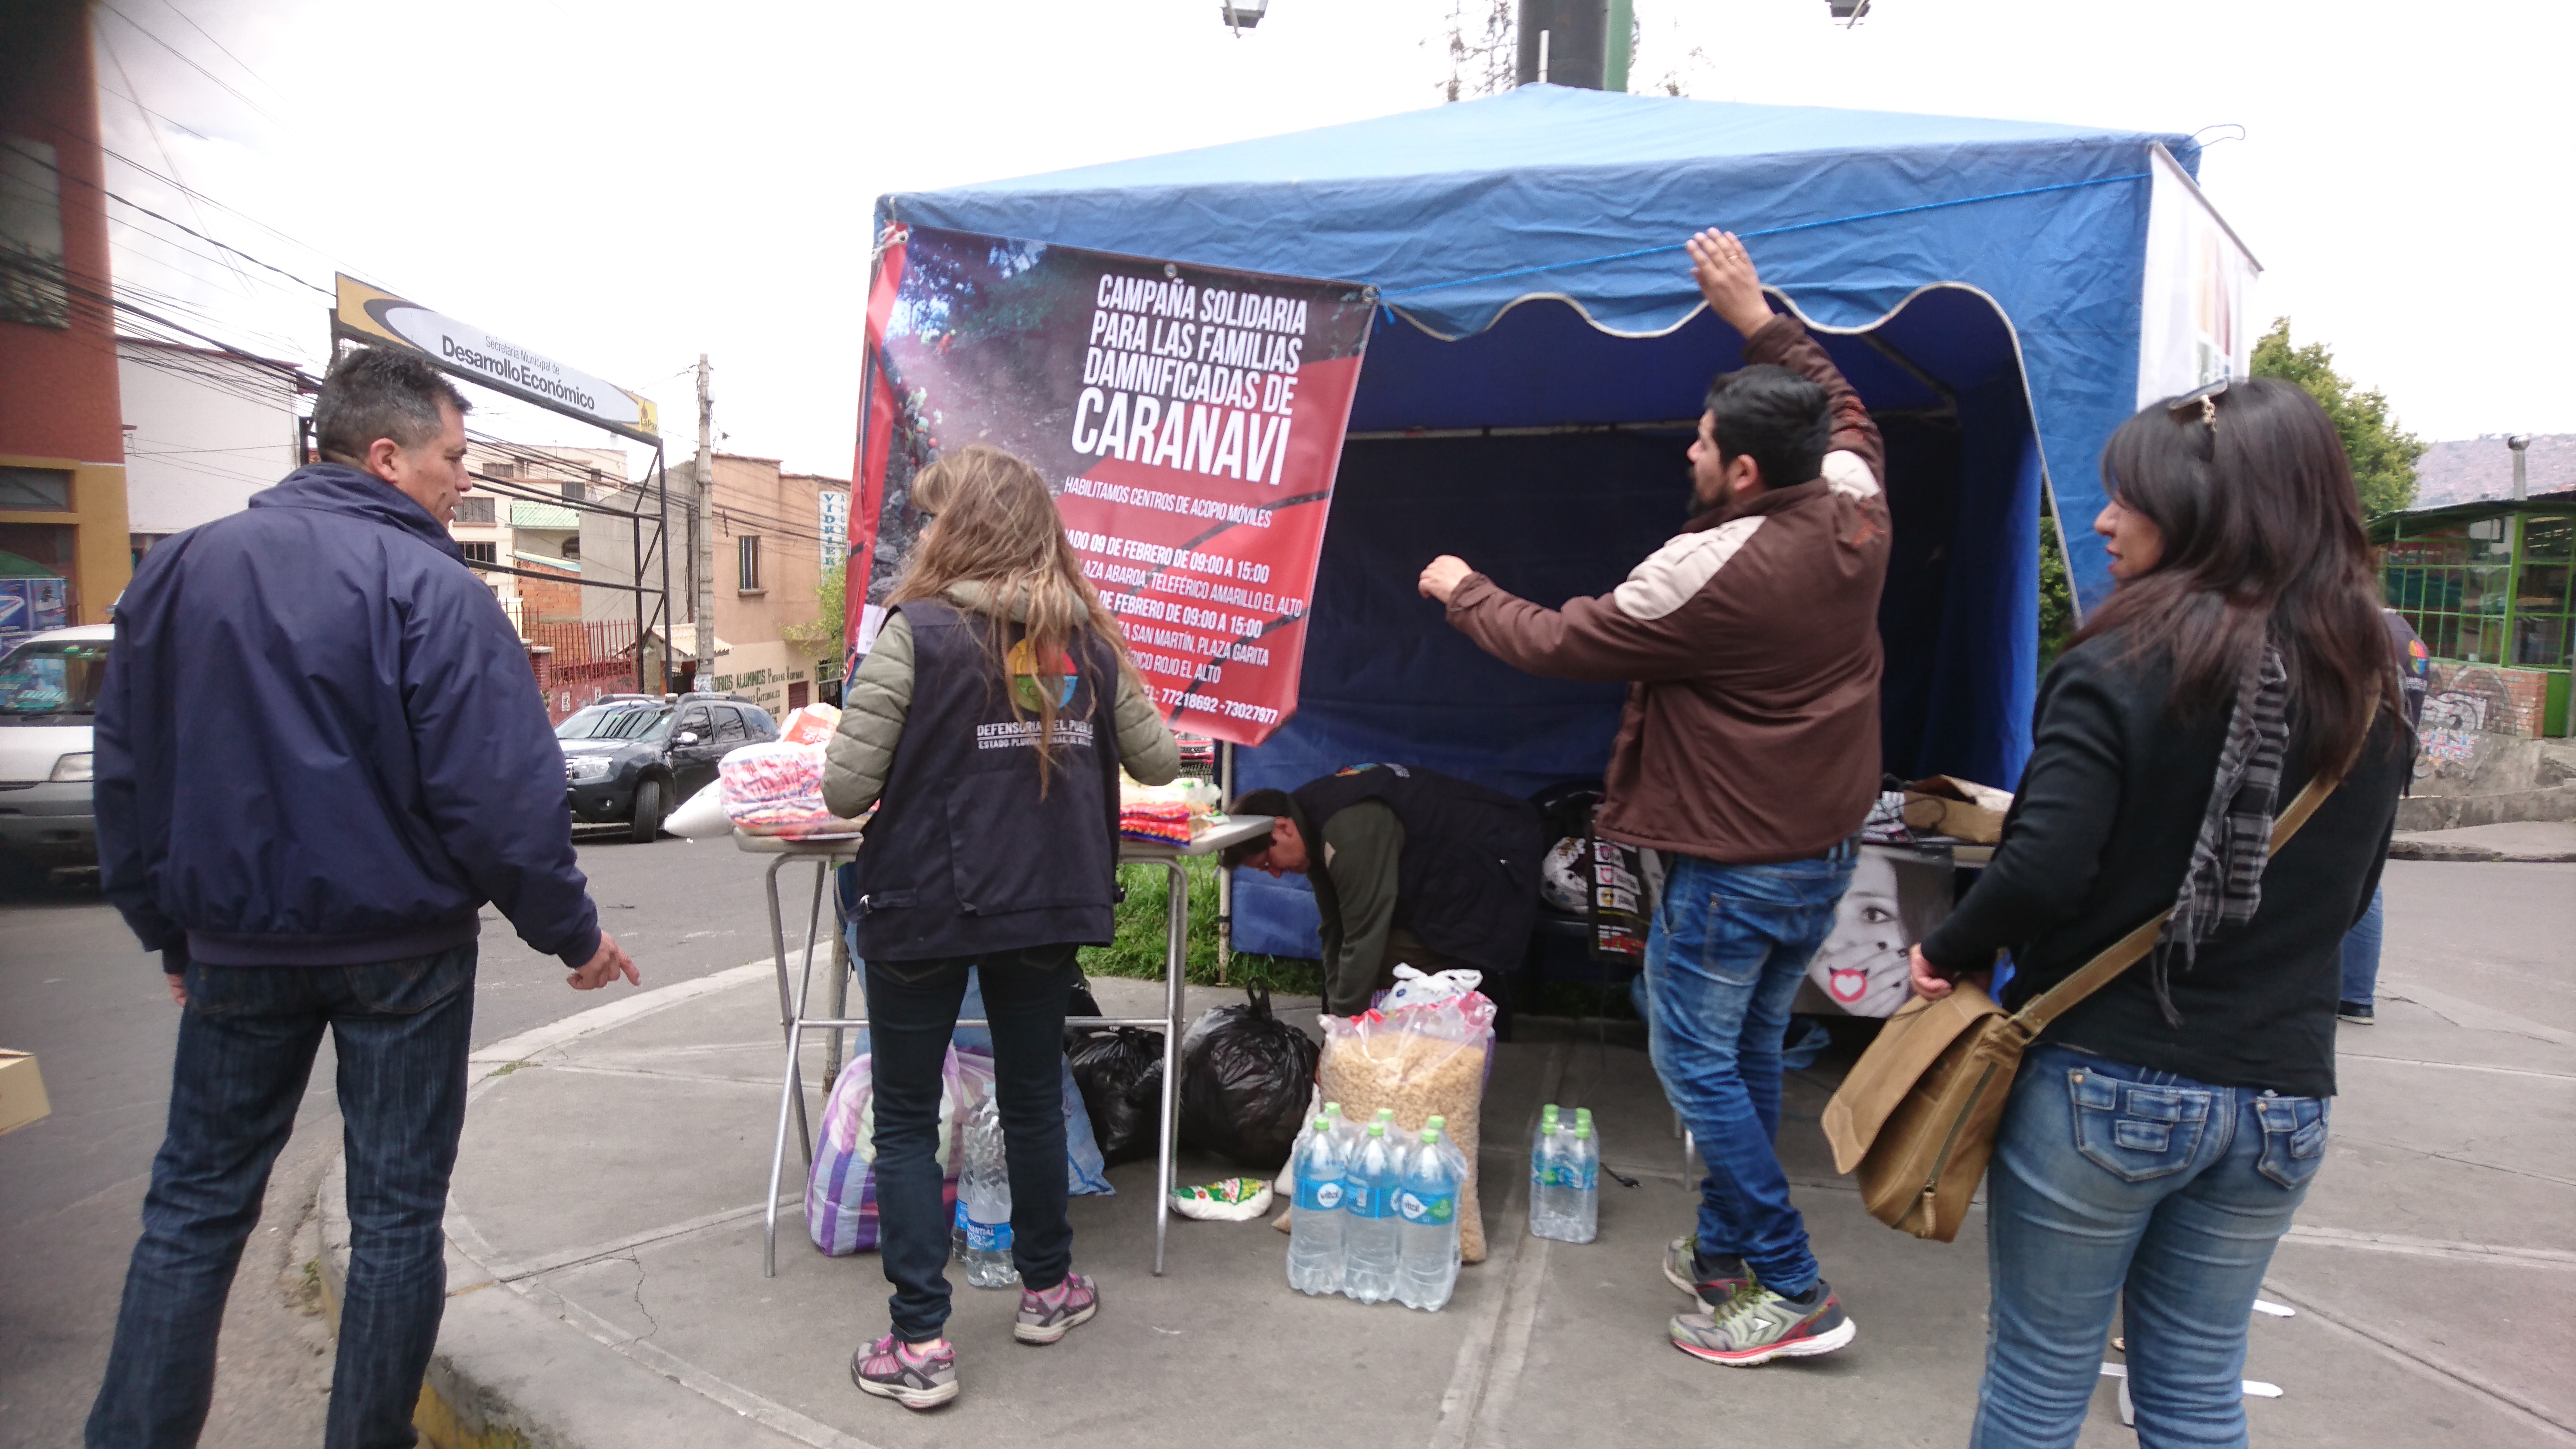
1961,809
22,1091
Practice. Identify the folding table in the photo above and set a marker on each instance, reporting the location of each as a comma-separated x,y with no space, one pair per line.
827,852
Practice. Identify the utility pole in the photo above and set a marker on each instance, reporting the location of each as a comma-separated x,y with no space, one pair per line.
703,607
1564,42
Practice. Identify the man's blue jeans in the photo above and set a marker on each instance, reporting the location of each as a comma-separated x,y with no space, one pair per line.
2117,1186
2361,951
246,1045
1724,956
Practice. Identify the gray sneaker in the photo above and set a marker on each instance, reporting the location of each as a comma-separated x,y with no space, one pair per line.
892,1369
1048,1316
1760,1325
1720,1281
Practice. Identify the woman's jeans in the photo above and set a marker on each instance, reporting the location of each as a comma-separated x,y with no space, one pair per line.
2116,1186
1724,956
2361,952
246,1045
912,1010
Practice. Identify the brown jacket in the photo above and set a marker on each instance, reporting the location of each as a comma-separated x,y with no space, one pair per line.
1751,640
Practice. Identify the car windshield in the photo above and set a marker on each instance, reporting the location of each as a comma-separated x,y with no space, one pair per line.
617,722
53,676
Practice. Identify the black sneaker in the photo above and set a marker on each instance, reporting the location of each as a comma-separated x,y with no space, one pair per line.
2356,1012
1713,1281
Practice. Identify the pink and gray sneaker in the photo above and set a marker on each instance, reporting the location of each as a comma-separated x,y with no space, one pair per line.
892,1369
1050,1315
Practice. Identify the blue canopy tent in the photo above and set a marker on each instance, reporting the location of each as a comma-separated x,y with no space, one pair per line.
1534,378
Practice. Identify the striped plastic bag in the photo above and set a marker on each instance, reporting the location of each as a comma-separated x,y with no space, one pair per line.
841,1193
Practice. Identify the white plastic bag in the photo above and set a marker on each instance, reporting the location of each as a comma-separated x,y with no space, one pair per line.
701,816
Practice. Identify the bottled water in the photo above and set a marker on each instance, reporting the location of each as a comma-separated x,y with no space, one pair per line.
1321,1166
1427,1207
1369,1245
983,1230
1586,1186
1551,1168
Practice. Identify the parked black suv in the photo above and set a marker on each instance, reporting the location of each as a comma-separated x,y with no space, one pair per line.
633,757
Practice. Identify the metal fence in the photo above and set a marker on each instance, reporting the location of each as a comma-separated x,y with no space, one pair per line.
576,663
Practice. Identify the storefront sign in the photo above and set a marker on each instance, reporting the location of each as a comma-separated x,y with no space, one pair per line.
370,315
1189,420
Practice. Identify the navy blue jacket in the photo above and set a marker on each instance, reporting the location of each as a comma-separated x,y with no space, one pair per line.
319,743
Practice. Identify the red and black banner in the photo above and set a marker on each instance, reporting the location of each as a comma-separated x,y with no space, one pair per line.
1189,420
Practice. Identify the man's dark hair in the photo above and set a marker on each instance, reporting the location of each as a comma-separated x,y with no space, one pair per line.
1254,802
381,392
1777,418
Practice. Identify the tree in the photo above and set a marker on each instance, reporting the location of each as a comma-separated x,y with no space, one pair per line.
1484,49
2383,456
821,640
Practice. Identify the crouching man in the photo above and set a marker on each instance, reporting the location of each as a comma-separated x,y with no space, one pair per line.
1409,866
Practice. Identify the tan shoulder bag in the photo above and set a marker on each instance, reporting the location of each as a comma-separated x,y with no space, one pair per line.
1917,1115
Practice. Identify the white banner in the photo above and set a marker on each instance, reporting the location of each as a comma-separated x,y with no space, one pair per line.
2192,327
377,316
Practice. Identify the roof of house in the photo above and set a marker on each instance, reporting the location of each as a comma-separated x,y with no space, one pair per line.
2471,470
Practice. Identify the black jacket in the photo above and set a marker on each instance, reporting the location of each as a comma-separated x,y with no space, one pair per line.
319,743
2099,836
966,857
1467,881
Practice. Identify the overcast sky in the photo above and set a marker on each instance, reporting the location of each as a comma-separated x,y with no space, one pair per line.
624,185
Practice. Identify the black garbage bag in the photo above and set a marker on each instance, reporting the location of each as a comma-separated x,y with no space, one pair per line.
1246,1077
1120,1075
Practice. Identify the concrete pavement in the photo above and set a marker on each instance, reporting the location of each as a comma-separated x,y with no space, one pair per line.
606,1285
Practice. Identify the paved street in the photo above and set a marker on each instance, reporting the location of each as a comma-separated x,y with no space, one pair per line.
76,990
2429,1268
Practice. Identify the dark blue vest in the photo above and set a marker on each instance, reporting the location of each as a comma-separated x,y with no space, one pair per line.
964,858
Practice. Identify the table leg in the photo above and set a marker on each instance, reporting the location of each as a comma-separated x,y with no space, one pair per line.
778,944
1176,945
837,997
804,989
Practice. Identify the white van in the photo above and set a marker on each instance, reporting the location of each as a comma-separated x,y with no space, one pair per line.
49,687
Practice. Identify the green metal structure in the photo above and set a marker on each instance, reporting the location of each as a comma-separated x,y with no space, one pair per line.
2489,583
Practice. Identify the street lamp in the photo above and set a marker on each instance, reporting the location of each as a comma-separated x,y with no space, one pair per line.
1242,15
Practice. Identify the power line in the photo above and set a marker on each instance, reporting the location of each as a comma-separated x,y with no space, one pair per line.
174,9
183,226
191,63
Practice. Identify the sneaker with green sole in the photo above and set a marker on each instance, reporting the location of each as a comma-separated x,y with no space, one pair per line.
1712,1281
1759,1325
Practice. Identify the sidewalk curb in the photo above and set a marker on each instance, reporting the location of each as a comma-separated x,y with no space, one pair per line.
2402,848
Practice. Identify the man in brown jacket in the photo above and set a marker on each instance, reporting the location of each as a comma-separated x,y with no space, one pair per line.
1748,754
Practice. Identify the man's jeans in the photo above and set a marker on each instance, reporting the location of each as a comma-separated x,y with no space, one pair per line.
2119,1186
1724,956
2361,951
912,1009
246,1044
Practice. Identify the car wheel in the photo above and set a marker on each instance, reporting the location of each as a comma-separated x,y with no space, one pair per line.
648,811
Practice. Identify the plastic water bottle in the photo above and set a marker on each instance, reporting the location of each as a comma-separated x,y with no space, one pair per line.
984,1204
1315,1227
1585,1190
1369,1246
1427,1207
1551,1168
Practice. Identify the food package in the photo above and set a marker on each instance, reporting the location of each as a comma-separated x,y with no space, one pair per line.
1422,1051
777,789
1173,814
810,724
1233,1200
1960,809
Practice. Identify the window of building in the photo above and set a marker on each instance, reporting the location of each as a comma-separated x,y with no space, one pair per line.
489,553
572,546
32,286
499,468
474,510
747,550
576,493
2462,588
42,490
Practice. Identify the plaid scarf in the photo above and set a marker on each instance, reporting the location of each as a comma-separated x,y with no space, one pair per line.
2224,886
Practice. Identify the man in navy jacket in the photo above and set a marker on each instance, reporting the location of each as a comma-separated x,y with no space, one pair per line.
319,752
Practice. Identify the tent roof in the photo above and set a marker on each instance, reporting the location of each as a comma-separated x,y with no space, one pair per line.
1458,212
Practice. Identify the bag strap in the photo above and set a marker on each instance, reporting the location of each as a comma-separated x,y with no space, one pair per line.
2132,948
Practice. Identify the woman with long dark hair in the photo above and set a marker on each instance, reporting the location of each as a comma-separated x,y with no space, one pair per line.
2162,1133
988,725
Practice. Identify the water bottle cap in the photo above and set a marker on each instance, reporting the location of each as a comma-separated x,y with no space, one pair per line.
1385,1114
1582,1129
1323,1124
1377,1129
1332,1109
1583,1116
1436,1120
1549,1112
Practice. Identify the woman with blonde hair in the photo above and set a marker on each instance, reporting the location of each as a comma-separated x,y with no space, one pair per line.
988,725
